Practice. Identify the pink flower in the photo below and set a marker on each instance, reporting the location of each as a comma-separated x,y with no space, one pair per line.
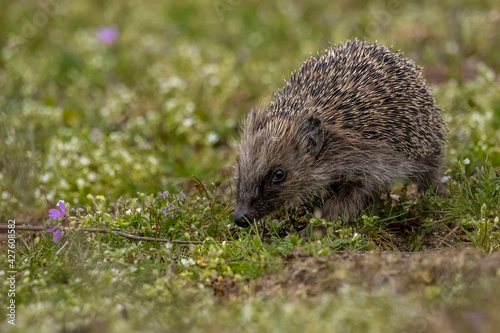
107,35
55,213
57,233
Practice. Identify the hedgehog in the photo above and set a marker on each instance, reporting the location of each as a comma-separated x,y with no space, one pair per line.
348,125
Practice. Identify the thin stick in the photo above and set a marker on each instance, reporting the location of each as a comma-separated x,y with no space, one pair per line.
65,243
124,234
4,228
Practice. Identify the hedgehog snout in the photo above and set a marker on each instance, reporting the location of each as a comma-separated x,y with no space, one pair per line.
241,217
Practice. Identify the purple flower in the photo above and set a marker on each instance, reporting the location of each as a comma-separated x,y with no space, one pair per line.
107,35
57,235
164,194
165,212
57,231
182,196
55,213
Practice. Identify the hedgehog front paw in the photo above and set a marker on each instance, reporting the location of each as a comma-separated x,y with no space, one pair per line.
346,205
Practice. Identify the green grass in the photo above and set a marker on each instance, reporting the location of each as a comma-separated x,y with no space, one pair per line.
109,128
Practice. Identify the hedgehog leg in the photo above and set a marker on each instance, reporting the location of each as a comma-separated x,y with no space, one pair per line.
432,177
347,203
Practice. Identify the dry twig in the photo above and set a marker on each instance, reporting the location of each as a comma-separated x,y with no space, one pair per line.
4,228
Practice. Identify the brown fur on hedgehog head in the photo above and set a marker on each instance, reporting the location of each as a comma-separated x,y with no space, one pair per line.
276,162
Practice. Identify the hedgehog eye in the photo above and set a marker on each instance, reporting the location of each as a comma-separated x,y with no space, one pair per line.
278,176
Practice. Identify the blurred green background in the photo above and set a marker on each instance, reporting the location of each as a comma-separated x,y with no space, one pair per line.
163,101
100,100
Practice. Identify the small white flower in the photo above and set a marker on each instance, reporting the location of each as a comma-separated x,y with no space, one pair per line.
128,212
152,160
80,182
212,137
445,179
467,161
64,184
5,195
115,271
138,210
45,177
95,134
92,176
168,245
126,156
84,160
187,262
51,195
187,122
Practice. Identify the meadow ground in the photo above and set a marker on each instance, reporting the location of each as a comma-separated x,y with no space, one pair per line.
129,113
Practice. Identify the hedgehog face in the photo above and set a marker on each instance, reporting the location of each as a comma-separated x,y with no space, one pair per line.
272,167
260,196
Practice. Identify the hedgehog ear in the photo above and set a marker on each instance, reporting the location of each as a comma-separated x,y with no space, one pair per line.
315,135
